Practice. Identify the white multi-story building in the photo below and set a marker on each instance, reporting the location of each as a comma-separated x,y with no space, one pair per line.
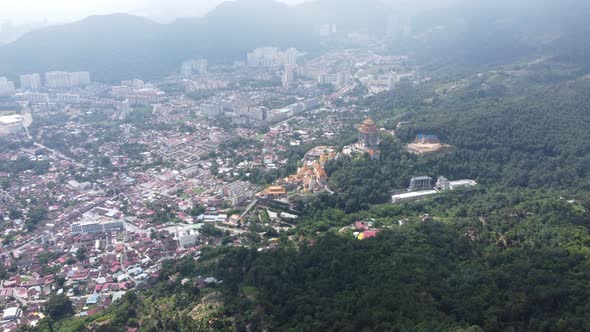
264,57
121,90
36,98
134,84
289,75
271,57
128,88
67,98
62,79
47,107
326,30
6,86
187,238
186,70
137,84
211,109
291,57
11,123
11,314
258,113
324,79
80,78
146,97
30,81
57,79
97,227
187,67
238,192
342,78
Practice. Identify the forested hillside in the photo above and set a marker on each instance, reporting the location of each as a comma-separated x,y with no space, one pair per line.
530,135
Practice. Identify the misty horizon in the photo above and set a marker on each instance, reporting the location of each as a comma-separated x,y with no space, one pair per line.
18,18
34,12
64,11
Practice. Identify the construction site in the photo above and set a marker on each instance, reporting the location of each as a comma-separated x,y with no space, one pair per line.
424,144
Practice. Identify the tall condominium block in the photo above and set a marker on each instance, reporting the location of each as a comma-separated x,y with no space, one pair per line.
271,57
189,67
80,78
6,86
61,79
289,75
291,57
30,81
57,79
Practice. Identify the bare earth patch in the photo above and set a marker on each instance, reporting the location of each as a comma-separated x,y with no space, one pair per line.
424,148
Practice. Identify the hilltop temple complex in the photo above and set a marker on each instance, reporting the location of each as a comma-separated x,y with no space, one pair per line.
311,179
368,140
368,134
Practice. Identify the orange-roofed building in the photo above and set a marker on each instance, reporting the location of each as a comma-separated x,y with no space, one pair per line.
276,191
312,179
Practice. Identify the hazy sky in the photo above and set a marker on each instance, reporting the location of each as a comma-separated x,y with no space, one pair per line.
57,11
21,12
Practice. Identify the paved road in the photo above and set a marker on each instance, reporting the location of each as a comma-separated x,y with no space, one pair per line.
254,202
61,155
399,116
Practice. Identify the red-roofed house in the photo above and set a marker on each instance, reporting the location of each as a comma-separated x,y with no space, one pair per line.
361,225
370,234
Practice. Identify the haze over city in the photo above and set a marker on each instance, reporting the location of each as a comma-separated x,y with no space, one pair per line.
61,11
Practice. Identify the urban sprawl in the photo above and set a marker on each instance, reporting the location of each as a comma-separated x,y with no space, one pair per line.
111,180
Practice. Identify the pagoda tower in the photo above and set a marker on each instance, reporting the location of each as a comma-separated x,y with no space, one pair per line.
368,134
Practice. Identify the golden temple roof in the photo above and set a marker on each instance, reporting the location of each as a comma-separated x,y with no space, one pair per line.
368,126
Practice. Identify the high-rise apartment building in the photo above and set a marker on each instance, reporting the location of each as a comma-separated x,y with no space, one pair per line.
271,57
30,81
289,75
291,57
188,68
67,98
80,78
62,79
6,86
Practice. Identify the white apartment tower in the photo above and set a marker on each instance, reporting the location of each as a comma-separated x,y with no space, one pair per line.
342,78
187,67
290,74
57,79
6,86
291,57
61,79
271,57
30,82
80,78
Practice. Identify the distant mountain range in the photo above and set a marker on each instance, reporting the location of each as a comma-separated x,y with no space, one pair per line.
502,30
10,32
121,46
